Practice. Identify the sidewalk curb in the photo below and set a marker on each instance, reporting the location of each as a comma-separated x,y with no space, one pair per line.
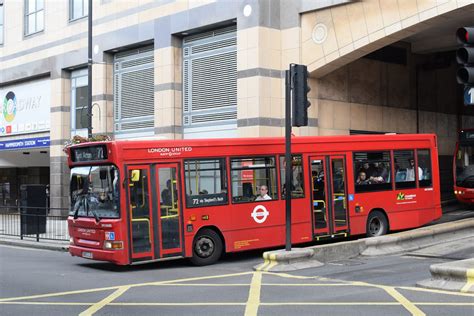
59,246
452,276
280,260
418,238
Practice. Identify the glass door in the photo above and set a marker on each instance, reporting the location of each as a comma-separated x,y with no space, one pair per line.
170,216
319,196
139,212
329,196
338,194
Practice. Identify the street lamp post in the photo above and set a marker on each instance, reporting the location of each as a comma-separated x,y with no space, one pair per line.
89,72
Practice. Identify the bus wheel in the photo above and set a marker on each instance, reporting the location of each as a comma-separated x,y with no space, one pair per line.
207,248
377,224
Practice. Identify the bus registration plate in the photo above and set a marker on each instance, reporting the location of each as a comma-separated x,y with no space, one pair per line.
87,254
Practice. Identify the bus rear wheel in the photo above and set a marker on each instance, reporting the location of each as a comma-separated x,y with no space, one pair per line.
377,224
207,248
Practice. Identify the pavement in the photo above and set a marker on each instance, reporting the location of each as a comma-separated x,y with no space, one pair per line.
28,242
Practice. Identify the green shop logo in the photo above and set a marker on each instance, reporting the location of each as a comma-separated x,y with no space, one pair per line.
9,106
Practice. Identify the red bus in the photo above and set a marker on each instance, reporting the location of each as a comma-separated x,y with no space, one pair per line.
463,167
134,201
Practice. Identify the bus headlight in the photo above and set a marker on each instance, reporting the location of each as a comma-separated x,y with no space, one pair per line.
71,240
115,245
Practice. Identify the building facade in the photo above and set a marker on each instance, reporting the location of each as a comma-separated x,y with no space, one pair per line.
214,68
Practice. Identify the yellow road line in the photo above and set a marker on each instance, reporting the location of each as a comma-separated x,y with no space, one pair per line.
331,304
469,281
243,304
180,304
403,300
419,289
47,303
202,284
303,284
254,295
444,304
265,263
194,279
9,299
94,308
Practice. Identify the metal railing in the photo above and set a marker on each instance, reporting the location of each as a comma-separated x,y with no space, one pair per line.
33,222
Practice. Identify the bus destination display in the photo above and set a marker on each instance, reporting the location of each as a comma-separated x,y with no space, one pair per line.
92,153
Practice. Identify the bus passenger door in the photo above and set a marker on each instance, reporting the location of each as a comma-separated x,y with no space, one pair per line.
339,194
169,227
329,196
139,203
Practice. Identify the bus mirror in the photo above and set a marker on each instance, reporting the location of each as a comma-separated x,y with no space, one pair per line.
103,174
135,176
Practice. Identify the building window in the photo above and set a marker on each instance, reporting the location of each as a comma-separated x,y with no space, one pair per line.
34,16
1,22
79,94
78,9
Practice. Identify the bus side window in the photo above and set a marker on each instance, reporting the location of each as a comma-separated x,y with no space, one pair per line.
372,171
405,169
424,163
297,183
206,182
248,177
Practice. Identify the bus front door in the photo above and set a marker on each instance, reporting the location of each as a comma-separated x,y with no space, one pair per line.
168,227
329,195
139,203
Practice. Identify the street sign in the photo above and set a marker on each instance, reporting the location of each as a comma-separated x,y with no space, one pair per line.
469,96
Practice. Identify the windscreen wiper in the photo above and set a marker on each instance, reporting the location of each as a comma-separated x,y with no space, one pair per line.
97,218
78,206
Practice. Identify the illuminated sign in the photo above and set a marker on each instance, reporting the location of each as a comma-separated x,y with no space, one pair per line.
25,108
89,153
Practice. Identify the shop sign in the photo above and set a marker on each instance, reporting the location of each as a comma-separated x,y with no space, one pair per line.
25,108
25,143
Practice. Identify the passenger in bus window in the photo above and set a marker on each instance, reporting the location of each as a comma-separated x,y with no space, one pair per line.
263,194
381,172
410,175
362,178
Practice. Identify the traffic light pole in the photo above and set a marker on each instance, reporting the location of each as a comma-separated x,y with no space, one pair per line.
288,169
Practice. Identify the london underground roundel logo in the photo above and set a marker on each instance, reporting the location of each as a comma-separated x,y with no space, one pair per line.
260,214
9,106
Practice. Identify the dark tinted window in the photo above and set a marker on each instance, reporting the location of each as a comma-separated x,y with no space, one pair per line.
372,171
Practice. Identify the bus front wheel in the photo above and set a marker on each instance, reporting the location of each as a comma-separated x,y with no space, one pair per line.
377,224
207,248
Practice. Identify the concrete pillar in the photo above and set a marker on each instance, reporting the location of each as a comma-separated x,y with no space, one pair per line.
59,134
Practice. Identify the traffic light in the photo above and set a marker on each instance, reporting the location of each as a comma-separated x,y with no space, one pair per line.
465,56
299,76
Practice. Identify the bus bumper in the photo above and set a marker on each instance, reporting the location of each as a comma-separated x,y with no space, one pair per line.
114,256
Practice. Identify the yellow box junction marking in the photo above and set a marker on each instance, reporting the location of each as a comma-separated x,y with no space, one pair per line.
94,308
253,303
